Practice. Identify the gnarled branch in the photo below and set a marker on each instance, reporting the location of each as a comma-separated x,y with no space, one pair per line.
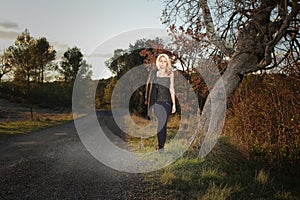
210,30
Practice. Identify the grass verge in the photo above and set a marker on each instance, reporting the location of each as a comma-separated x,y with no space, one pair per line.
11,128
226,173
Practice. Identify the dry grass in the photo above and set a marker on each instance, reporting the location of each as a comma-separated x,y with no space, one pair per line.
15,119
226,173
145,132
10,128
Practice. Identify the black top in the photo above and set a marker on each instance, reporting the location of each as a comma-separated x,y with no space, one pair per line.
163,89
157,90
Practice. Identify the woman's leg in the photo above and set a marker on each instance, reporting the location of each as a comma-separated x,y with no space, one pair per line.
162,111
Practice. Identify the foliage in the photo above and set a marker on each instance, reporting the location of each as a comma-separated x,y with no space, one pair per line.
44,54
100,99
125,59
108,92
22,58
49,95
11,91
30,59
264,118
5,65
138,54
150,52
70,64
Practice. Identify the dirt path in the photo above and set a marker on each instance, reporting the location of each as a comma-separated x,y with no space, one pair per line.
53,164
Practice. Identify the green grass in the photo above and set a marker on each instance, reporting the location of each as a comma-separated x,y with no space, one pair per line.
225,173
11,128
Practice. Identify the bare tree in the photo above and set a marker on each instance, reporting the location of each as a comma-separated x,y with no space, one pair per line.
251,34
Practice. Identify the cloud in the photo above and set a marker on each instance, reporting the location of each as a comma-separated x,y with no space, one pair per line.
7,24
60,49
100,55
8,34
59,46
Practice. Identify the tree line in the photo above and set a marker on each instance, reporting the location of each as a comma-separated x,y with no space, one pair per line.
35,77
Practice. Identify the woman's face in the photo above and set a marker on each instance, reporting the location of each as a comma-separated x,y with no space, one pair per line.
163,63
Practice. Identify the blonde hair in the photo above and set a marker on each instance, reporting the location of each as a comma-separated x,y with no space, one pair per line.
169,67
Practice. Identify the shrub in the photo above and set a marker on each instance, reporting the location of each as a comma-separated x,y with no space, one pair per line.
264,118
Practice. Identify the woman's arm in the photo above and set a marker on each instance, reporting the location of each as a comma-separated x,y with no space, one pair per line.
147,89
172,92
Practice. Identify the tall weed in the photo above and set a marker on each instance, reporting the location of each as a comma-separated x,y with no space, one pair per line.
264,118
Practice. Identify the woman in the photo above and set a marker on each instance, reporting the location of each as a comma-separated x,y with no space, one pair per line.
160,95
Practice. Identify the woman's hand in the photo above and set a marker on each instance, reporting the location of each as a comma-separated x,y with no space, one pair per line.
173,108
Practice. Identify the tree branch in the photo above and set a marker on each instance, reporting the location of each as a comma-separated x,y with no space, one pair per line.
281,33
210,28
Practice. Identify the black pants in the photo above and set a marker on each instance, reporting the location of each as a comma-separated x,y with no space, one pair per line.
162,111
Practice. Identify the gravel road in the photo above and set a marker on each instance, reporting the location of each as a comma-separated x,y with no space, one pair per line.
54,164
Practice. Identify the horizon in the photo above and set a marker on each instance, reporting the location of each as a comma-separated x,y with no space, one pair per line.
85,25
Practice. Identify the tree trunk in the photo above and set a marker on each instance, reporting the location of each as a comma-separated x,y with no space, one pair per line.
29,96
214,111
42,73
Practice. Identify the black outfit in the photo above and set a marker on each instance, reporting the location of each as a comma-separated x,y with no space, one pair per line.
160,100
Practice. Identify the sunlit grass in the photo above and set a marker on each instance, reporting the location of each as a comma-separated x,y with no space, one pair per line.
226,173
10,128
217,192
167,178
145,130
262,177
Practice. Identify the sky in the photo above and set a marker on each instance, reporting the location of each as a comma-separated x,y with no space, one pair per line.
96,27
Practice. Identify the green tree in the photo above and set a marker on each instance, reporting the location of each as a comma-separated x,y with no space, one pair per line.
140,53
44,53
29,59
5,64
22,60
84,87
75,70
108,92
115,64
85,71
99,96
125,59
70,64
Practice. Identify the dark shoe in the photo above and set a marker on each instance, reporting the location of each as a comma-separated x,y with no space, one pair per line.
159,148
